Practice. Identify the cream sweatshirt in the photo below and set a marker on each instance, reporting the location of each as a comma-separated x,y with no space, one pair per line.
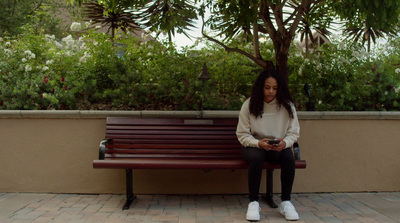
275,123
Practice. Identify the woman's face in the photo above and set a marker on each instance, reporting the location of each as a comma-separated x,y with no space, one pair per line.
270,89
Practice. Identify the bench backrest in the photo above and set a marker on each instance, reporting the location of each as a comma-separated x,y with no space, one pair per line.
173,138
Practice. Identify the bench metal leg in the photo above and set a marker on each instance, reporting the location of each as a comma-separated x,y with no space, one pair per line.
129,190
270,192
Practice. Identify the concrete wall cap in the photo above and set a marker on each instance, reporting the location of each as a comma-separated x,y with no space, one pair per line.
100,114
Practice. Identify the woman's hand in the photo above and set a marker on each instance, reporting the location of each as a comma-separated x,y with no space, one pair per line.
281,146
276,147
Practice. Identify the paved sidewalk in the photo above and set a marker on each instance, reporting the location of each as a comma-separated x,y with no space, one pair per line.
324,207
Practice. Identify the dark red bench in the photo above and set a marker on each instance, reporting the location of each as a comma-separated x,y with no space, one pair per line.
174,143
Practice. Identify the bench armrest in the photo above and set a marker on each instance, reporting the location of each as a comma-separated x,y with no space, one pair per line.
296,151
102,149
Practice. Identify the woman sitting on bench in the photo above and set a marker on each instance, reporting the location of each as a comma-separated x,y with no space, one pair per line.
267,128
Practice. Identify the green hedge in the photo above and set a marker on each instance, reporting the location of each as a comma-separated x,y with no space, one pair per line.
92,72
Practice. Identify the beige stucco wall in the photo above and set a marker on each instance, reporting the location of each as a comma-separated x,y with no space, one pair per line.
52,151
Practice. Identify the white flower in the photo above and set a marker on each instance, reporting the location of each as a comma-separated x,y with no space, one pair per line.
23,60
87,24
1,39
356,54
49,62
397,70
70,42
84,58
50,37
45,68
8,44
28,68
301,71
7,51
84,47
97,27
59,45
30,54
397,90
75,26
363,54
75,47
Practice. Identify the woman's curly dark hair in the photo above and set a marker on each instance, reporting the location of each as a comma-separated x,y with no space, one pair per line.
283,96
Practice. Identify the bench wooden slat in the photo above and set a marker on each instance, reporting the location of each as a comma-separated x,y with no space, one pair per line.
169,127
175,157
150,163
218,141
171,150
181,132
168,121
169,146
192,137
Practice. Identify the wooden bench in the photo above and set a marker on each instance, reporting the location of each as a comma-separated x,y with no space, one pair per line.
174,143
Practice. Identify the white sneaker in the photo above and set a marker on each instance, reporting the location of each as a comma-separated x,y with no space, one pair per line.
287,209
253,211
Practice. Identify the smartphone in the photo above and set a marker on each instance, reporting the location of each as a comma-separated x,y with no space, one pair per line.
274,141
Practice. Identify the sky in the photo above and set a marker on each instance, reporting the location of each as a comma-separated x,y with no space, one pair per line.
181,40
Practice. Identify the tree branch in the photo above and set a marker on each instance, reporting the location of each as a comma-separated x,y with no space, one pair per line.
300,10
256,41
259,61
278,18
265,16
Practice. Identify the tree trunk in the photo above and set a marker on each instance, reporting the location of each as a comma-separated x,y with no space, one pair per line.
281,55
282,65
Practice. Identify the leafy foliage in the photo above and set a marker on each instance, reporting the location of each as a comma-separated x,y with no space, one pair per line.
114,20
168,16
256,19
92,72
345,77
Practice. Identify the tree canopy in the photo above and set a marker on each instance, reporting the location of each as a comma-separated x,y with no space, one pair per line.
280,20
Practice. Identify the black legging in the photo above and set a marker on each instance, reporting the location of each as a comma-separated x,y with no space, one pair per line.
256,158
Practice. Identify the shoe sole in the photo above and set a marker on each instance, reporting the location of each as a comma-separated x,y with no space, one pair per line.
290,219
253,219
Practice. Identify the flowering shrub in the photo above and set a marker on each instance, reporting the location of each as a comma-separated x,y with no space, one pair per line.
37,72
345,77
92,72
